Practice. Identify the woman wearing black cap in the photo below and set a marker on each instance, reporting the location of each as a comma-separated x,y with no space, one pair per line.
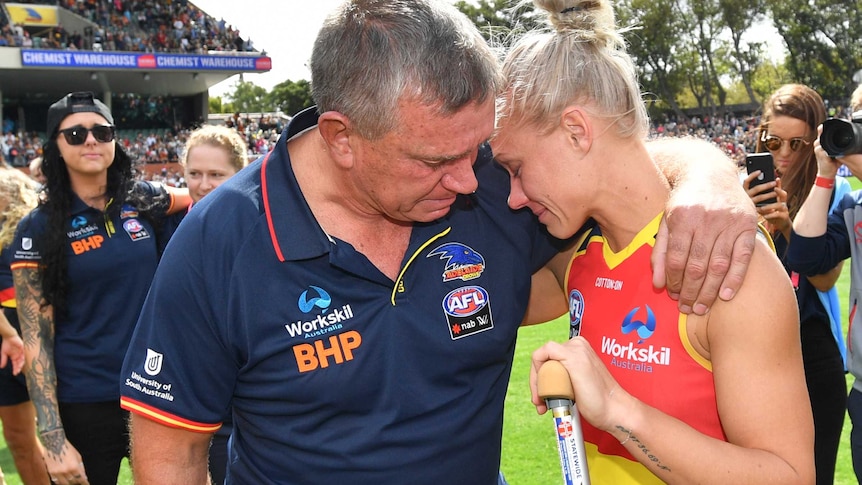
82,263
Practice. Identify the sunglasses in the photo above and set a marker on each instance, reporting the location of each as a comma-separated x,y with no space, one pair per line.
77,135
774,143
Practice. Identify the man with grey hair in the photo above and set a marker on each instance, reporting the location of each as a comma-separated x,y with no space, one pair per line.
354,296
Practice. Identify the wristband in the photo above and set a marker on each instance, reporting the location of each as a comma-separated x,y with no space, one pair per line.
824,182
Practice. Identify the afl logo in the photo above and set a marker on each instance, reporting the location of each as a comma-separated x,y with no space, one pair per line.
644,328
465,301
132,225
576,312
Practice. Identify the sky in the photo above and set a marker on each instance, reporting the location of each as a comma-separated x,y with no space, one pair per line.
286,29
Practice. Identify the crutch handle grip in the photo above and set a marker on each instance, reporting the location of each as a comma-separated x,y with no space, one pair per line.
553,381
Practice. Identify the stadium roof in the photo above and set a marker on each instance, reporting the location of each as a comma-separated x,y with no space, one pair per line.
29,73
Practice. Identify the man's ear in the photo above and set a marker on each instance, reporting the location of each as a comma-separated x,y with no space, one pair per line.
576,125
334,128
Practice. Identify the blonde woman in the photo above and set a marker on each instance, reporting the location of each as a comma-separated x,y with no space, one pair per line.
665,397
17,199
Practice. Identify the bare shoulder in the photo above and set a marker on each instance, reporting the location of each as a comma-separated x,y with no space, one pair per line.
765,303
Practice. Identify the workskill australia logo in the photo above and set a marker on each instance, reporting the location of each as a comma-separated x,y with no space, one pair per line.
462,262
576,312
468,311
644,328
81,228
325,320
632,353
318,298
79,222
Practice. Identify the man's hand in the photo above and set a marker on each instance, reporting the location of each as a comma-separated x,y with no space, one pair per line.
706,238
703,251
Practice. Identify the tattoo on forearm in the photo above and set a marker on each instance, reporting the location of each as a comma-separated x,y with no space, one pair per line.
642,447
54,442
37,328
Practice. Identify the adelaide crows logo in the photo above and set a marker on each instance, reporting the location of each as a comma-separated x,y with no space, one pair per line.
462,262
644,329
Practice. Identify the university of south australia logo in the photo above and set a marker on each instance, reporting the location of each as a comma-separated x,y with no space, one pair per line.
153,364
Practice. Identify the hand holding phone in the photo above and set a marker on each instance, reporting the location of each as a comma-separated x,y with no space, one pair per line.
764,163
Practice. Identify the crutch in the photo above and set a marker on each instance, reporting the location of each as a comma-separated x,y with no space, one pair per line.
555,388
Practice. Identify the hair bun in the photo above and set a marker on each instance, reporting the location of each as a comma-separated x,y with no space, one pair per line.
579,8
589,20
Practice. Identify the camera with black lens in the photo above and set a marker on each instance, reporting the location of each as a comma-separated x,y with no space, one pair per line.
842,137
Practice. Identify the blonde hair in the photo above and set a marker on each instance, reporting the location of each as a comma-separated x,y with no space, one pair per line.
221,137
18,191
856,98
581,56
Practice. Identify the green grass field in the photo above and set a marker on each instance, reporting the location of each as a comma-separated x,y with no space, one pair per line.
529,449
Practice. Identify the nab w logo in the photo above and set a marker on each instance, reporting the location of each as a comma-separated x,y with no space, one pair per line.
322,300
645,329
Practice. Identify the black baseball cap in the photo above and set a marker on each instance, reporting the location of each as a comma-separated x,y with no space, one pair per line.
80,102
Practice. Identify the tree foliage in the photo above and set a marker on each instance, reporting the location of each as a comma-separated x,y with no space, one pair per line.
248,97
689,53
290,97
695,53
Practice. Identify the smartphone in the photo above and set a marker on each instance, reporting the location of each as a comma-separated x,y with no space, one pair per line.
764,163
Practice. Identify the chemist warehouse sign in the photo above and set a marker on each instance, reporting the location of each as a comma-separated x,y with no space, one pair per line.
149,61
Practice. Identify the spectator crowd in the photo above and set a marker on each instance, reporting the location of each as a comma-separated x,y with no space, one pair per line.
736,135
131,25
733,134
154,147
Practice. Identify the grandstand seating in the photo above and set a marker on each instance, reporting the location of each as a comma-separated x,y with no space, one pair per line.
128,25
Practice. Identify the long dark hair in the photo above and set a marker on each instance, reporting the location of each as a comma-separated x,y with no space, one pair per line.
56,203
803,103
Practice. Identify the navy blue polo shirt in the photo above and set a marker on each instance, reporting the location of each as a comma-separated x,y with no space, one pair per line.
335,373
110,267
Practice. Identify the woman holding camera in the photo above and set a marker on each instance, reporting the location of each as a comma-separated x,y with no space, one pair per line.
820,242
788,130
82,263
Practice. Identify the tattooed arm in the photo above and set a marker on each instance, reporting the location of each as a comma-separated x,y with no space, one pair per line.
37,329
